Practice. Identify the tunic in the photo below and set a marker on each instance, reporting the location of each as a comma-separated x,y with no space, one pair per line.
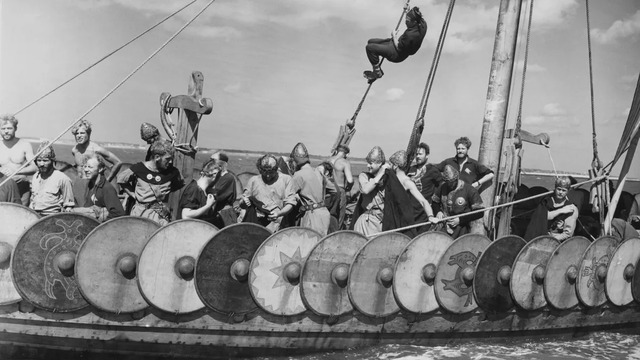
370,221
275,195
224,190
50,195
309,184
194,198
470,170
463,199
104,196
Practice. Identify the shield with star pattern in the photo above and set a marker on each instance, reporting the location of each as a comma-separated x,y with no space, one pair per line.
274,276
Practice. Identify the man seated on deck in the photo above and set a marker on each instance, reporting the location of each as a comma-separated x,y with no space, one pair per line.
51,190
268,196
195,203
470,170
396,49
427,179
455,198
14,152
555,215
150,183
102,199
224,189
309,184
343,178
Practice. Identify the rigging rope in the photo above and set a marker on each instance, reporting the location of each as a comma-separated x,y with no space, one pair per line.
524,71
405,9
103,58
596,159
50,143
422,108
482,210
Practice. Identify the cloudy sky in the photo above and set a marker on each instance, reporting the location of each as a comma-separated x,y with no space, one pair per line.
283,71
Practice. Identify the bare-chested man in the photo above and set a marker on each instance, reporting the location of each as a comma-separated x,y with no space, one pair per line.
14,152
343,178
85,147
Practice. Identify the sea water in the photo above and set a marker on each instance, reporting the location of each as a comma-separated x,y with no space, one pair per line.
599,345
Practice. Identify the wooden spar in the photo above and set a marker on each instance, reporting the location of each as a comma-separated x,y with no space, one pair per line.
493,125
184,136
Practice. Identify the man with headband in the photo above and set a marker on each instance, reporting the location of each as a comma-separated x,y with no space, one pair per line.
268,197
556,215
396,49
51,190
454,199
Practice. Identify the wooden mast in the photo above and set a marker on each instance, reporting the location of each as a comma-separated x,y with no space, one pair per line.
493,125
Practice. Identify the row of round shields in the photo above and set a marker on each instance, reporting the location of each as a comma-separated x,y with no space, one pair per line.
64,262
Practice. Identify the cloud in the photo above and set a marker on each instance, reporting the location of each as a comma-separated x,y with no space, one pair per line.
549,14
394,94
530,67
225,32
233,88
552,115
627,28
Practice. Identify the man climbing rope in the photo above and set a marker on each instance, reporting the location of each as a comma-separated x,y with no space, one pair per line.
396,49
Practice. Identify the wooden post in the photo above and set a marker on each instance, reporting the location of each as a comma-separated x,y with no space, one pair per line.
496,107
184,133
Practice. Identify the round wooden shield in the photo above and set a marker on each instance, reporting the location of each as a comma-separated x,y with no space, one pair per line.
371,275
14,220
167,264
325,273
274,275
620,272
415,272
44,258
222,268
635,283
562,272
493,274
529,271
106,264
456,270
593,271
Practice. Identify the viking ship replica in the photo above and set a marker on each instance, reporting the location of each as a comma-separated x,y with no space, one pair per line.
130,287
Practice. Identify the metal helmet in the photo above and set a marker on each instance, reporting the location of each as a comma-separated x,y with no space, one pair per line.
376,155
148,132
48,152
267,163
450,173
299,154
399,158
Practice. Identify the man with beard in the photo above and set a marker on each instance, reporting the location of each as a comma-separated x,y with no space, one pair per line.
455,198
85,147
556,215
309,184
14,152
343,178
51,190
470,171
102,199
268,196
427,178
151,182
224,190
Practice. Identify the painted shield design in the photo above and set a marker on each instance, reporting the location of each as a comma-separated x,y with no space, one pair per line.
276,268
107,261
415,272
222,268
44,259
529,271
562,273
167,265
371,275
14,220
493,274
326,271
620,272
593,271
456,270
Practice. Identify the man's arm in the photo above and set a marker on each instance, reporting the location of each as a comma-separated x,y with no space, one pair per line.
348,176
67,194
569,225
111,158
